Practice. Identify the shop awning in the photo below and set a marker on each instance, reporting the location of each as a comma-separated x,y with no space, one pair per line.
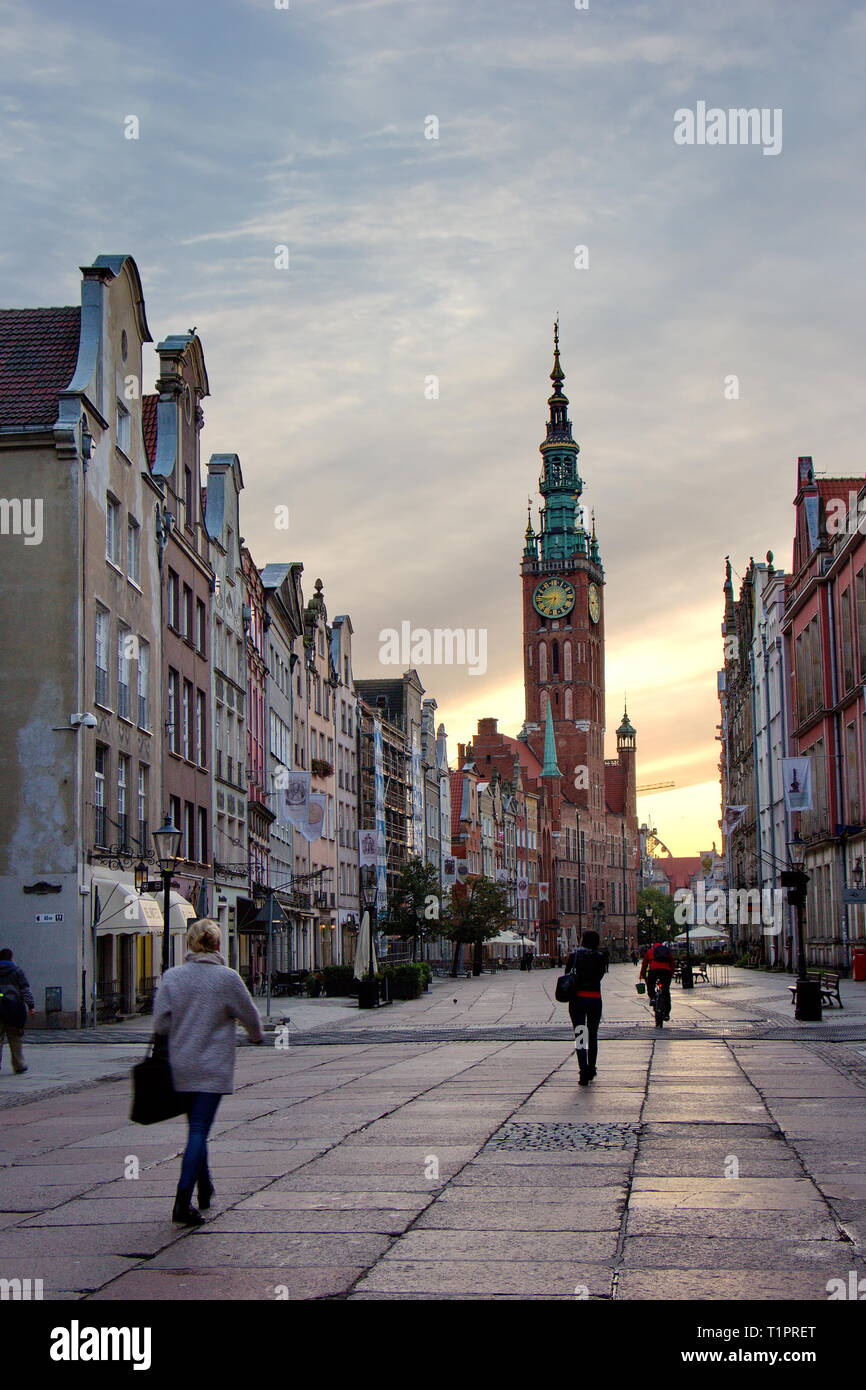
122,909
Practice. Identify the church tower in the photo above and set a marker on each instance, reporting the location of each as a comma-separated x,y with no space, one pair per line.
563,615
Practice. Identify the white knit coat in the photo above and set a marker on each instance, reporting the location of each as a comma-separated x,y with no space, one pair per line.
197,1004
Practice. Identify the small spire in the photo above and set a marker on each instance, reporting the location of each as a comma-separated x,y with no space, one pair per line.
557,376
551,767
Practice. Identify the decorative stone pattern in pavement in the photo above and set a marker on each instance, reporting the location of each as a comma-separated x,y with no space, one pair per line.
520,1135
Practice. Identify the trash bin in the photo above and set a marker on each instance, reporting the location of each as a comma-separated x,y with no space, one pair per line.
859,963
687,977
807,1001
368,994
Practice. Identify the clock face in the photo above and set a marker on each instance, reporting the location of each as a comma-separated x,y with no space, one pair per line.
594,603
553,598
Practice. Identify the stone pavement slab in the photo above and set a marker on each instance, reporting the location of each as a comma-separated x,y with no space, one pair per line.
364,1170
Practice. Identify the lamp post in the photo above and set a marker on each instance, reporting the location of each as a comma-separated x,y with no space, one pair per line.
368,988
807,997
167,843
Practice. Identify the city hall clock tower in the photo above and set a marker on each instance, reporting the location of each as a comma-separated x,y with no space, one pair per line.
563,615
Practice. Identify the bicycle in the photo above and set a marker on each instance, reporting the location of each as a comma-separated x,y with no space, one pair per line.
661,1004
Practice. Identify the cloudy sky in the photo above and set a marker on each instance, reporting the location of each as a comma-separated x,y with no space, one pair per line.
412,257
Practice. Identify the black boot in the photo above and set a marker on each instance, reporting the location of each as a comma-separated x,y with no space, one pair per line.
184,1213
205,1191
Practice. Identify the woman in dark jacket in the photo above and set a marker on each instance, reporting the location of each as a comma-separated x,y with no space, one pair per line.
589,965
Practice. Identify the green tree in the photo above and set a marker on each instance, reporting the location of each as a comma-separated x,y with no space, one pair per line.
655,916
414,907
479,910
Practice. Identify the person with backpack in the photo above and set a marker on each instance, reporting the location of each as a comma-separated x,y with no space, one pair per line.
586,965
16,1002
657,968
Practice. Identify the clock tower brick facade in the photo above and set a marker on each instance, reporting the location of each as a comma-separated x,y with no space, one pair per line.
593,848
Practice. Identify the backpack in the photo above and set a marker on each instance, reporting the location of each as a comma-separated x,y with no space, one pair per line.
663,955
12,1008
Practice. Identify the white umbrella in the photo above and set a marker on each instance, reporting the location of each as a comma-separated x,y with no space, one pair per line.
363,950
703,934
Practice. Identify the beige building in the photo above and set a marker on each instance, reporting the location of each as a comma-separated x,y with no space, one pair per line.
79,610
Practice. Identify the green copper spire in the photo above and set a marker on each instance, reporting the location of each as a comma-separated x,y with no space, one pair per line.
560,484
550,768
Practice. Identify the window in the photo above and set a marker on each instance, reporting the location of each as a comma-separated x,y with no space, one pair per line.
123,646
187,719
123,432
112,530
173,601
566,656
173,711
202,835
847,642
174,811
133,550
101,657
142,807
143,682
200,729
122,803
555,659
201,626
189,831
187,612
542,662
860,607
100,827
189,499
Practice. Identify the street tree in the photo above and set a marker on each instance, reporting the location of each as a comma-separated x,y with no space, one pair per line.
479,910
414,907
655,916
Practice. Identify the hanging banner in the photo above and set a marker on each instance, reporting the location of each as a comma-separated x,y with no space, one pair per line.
449,869
797,779
501,875
731,817
417,797
523,889
369,848
292,801
314,826
462,869
542,892
379,807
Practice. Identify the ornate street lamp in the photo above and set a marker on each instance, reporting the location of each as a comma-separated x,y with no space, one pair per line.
167,843
807,997
140,876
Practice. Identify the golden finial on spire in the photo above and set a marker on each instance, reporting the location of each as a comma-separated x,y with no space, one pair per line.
557,374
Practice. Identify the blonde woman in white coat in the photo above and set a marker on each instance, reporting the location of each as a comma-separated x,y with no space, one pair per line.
196,1006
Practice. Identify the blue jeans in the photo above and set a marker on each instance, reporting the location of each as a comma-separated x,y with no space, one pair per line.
201,1113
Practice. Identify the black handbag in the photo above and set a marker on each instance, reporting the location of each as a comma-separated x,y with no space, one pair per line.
566,987
153,1095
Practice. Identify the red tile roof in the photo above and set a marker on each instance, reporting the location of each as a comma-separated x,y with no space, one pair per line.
148,426
38,352
679,870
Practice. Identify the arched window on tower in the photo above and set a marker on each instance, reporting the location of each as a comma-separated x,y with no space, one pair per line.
544,699
569,704
566,659
554,659
556,700
542,662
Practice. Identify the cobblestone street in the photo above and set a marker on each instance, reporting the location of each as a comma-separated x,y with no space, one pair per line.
714,1160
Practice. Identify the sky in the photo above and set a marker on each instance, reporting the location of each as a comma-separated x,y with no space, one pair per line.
409,258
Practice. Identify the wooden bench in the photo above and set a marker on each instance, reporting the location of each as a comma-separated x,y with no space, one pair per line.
829,982
699,972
